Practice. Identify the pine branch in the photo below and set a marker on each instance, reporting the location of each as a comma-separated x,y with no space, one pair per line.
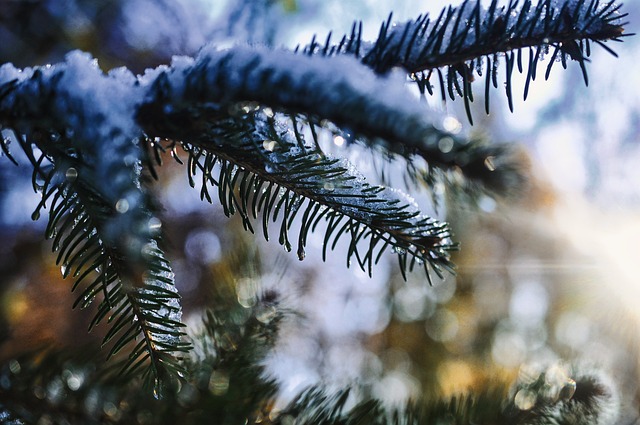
470,38
377,109
80,140
263,169
589,399
317,406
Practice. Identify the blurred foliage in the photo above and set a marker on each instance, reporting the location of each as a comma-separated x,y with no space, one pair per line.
36,32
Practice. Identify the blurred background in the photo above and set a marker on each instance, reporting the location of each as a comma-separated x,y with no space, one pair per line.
546,279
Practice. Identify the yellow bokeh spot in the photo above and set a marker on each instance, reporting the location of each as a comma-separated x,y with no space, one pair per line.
455,377
289,5
14,305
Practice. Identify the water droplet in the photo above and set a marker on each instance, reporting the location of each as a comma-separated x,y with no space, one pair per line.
74,381
250,107
556,374
110,409
268,112
51,233
525,399
219,382
445,144
314,157
329,187
301,253
122,206
158,389
14,367
71,174
399,250
488,162
35,215
270,145
529,373
266,313
246,292
452,125
64,269
72,152
569,389
338,141
155,225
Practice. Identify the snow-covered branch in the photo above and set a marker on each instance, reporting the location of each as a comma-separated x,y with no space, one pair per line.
471,38
77,128
380,109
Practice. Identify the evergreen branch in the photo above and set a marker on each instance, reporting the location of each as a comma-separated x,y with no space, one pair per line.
469,32
264,169
467,38
339,89
589,399
485,406
86,165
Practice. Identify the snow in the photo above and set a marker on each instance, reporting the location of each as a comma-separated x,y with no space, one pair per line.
96,115
95,109
164,279
109,100
99,110
8,73
338,88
